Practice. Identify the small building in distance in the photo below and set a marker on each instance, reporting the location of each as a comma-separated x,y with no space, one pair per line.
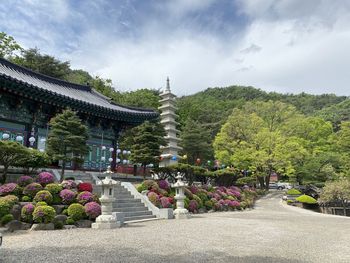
28,100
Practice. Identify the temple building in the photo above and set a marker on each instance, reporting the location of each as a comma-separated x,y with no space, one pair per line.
168,117
28,101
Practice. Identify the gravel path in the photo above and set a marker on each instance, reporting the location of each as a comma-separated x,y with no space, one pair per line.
272,232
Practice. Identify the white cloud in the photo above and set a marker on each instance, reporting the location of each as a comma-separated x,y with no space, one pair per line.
286,46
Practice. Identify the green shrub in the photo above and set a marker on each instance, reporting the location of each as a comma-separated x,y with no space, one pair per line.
76,211
4,207
43,196
54,188
56,199
141,188
65,212
305,199
186,202
290,201
70,221
11,199
199,201
203,196
209,205
293,191
26,199
44,214
6,219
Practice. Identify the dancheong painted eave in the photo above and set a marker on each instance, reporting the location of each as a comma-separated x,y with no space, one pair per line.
19,80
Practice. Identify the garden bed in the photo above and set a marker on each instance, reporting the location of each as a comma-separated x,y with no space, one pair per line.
41,204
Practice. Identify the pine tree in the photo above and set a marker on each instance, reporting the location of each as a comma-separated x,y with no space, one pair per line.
195,142
67,139
146,141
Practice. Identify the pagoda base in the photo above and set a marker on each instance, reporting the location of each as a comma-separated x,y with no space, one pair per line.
106,222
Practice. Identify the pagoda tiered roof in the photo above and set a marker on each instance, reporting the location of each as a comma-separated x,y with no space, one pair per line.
41,88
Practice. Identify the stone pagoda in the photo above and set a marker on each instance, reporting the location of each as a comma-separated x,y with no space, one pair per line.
168,119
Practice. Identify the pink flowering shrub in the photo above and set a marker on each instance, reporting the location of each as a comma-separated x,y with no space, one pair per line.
85,197
24,180
193,189
45,178
67,196
193,206
27,211
92,209
165,202
9,189
43,196
69,184
163,184
31,189
154,198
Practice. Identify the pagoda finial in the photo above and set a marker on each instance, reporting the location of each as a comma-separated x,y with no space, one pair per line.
167,84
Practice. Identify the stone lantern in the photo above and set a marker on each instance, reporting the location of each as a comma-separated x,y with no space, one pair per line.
180,212
106,220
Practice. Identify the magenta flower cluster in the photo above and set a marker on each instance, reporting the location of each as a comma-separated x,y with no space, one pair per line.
32,189
92,209
10,188
163,184
85,197
69,184
28,209
165,202
193,206
24,180
45,178
67,196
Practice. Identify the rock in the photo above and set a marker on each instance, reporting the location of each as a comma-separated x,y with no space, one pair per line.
49,226
26,226
16,212
61,218
202,210
83,224
69,227
58,208
14,225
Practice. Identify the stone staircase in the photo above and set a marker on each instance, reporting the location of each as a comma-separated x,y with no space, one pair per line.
134,210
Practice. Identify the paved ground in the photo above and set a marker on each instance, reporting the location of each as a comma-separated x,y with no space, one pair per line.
272,232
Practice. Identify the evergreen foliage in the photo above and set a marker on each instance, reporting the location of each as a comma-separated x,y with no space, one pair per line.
67,139
146,140
11,153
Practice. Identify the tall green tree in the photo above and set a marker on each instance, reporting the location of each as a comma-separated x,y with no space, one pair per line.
44,64
8,46
196,142
67,139
145,141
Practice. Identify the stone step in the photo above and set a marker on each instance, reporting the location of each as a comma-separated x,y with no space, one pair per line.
130,209
137,213
132,218
141,220
128,205
128,200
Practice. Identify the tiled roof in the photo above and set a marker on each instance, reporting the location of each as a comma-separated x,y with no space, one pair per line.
80,93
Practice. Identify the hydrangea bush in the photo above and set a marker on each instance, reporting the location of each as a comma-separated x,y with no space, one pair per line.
27,211
85,197
43,196
45,178
200,198
68,196
85,187
69,184
44,214
92,210
9,189
31,189
76,212
25,180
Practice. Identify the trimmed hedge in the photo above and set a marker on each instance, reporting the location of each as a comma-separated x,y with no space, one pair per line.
293,191
305,199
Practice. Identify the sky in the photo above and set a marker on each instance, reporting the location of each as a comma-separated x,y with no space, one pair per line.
288,46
